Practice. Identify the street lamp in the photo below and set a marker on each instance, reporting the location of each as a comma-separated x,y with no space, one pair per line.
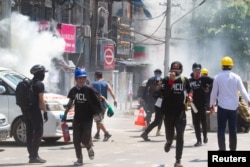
169,31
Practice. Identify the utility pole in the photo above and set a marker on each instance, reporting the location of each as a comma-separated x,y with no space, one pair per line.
167,38
168,32
93,51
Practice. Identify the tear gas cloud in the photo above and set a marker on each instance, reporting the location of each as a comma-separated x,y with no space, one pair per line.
25,46
184,45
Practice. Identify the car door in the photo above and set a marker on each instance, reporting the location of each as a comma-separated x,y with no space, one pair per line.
8,103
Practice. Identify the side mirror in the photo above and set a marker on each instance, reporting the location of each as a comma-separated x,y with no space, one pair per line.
2,89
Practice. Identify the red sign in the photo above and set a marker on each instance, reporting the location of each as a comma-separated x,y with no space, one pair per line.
109,58
68,33
43,26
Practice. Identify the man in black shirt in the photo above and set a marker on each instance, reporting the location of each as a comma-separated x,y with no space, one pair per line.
175,89
33,117
86,105
201,87
148,95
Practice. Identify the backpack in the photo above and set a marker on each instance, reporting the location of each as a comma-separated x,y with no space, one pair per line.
24,94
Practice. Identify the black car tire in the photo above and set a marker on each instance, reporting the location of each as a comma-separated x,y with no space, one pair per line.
19,131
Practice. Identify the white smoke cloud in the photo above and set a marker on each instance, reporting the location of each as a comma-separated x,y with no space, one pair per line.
27,46
184,49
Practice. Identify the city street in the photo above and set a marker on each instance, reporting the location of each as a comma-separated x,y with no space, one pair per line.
124,149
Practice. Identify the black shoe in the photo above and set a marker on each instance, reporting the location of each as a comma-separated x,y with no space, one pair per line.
97,136
246,129
205,140
197,144
107,136
91,153
167,147
145,137
37,160
78,162
178,164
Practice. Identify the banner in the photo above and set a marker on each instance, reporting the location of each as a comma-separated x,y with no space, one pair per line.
68,33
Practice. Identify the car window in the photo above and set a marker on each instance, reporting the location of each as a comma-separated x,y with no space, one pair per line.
13,78
9,90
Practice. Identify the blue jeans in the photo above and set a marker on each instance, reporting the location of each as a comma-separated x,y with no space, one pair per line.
224,115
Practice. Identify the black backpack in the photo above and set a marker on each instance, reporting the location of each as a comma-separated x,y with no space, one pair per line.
24,94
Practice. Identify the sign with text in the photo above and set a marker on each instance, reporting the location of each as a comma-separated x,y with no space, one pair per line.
68,33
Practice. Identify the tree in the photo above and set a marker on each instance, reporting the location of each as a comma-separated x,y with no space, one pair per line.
228,22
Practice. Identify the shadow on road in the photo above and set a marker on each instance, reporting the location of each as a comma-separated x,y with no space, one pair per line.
28,164
47,144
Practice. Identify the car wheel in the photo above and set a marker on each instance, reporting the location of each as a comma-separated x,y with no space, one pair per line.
51,139
19,132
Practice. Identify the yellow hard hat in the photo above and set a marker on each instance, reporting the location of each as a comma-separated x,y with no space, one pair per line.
227,61
204,71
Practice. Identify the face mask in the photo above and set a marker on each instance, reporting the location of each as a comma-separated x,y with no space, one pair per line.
196,75
40,76
158,77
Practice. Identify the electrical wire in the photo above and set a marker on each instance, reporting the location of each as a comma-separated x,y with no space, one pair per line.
156,30
164,13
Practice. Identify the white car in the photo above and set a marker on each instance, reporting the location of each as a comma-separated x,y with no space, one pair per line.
4,127
52,128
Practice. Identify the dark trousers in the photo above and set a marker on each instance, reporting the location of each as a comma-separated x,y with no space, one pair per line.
149,110
176,123
199,119
82,134
34,132
224,116
157,121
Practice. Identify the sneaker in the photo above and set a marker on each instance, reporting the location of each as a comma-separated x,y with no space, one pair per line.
97,136
78,162
178,164
167,147
107,136
37,160
91,153
145,137
197,144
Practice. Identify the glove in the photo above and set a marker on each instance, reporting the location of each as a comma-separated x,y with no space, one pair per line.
45,116
115,103
64,118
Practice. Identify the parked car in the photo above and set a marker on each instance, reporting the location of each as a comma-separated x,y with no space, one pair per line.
4,127
54,102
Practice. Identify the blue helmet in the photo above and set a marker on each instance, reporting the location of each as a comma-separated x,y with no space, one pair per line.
80,72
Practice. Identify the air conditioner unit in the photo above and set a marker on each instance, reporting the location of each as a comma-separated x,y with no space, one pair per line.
86,31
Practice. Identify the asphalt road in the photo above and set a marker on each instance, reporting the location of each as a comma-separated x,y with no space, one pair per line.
124,149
